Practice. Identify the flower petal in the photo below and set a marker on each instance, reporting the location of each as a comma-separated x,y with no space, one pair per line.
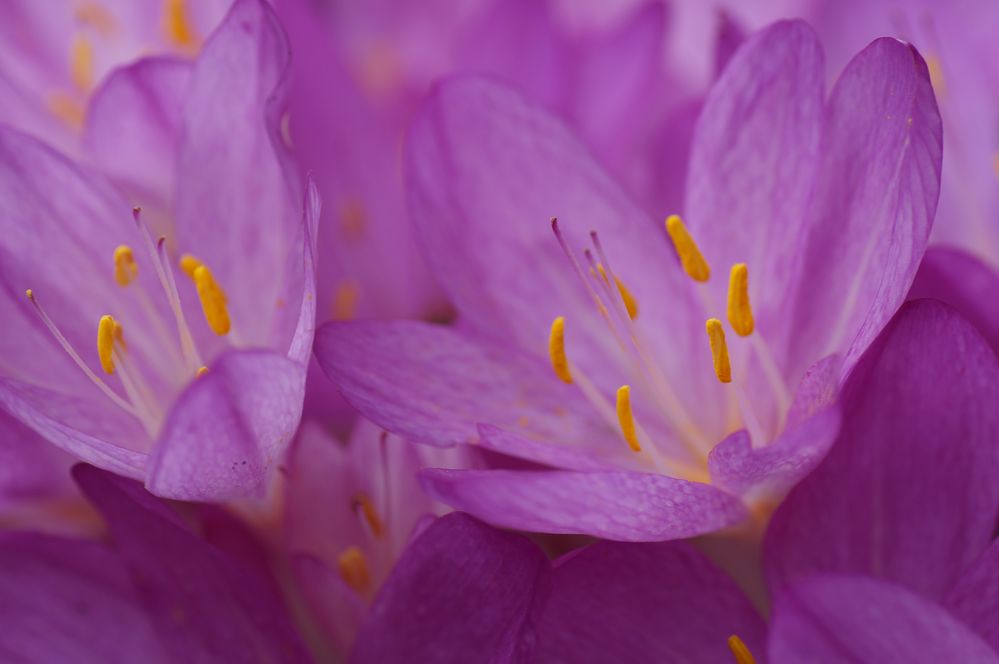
644,602
908,491
30,468
626,506
874,204
838,618
472,588
229,428
205,606
975,597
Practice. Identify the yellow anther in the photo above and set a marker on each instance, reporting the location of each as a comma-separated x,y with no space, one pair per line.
66,109
81,63
353,567
119,334
345,298
370,514
178,27
556,350
630,303
353,218
188,264
213,300
626,418
603,273
740,313
935,70
200,372
105,342
31,294
125,267
97,17
739,651
719,350
690,256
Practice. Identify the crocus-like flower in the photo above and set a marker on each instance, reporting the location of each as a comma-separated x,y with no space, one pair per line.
811,215
161,593
885,552
178,360
350,511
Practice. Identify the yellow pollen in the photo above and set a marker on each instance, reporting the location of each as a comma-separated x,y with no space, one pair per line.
345,300
125,267
690,256
213,300
200,372
626,419
556,350
106,330
31,294
353,568
630,303
719,350
740,313
739,651
188,264
370,514
81,63
178,27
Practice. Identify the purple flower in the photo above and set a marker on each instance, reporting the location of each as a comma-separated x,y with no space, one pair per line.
885,552
160,593
829,204
195,381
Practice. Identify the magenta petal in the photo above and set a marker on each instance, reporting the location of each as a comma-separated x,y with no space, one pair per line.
963,282
461,591
229,428
975,597
547,453
663,602
908,491
336,606
626,506
433,384
30,468
875,199
205,606
834,618
68,600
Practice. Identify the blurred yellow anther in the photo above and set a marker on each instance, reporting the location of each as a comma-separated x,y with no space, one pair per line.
935,71
125,267
105,342
739,651
81,63
690,256
719,350
556,350
188,264
740,313
626,418
630,303
31,294
213,300
603,273
370,514
353,568
67,109
200,372
345,298
119,334
178,27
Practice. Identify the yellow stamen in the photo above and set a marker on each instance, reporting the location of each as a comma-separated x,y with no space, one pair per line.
81,63
626,418
200,372
719,350
178,27
345,300
935,70
188,264
740,313
739,651
556,350
125,267
370,514
690,256
603,273
213,300
630,303
97,17
353,568
119,335
105,342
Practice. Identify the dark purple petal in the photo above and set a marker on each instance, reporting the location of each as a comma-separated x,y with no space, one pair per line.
627,506
908,491
663,602
975,597
461,592
834,618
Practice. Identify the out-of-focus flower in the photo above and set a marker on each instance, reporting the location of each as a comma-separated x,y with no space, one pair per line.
159,593
195,382
829,203
350,511
885,552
